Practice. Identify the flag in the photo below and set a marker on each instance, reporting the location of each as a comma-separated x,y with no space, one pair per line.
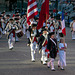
43,13
32,10
63,24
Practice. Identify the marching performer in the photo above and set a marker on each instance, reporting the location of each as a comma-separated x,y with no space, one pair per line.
10,30
73,29
52,24
7,19
33,39
28,30
23,23
3,14
42,42
58,27
62,53
17,23
1,27
52,46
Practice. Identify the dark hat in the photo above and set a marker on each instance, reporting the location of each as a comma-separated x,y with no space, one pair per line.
52,16
23,14
58,17
36,18
3,12
16,18
11,19
1,16
8,15
34,24
44,29
17,11
74,18
51,33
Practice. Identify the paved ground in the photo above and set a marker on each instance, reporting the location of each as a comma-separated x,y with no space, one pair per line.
17,61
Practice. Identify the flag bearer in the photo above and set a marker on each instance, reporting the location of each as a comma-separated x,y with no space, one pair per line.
42,42
33,39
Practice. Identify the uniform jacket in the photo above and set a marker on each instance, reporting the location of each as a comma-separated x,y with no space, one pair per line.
41,41
52,48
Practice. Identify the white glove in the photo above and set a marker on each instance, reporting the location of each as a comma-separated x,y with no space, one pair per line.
13,27
5,32
48,52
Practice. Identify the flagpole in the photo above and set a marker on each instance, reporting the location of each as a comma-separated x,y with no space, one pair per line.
46,20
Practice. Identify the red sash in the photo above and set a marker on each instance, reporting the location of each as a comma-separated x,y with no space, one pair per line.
45,43
0,24
13,31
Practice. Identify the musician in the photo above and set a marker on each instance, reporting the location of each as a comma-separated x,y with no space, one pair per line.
52,46
42,42
28,30
10,29
1,27
33,39
52,23
7,20
73,28
17,23
58,28
24,23
3,14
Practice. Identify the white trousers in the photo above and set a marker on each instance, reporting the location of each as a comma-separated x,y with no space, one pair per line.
0,32
33,47
73,35
51,62
44,55
57,36
28,34
11,41
24,29
17,39
3,25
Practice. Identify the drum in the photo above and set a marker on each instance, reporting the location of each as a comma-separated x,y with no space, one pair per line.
19,33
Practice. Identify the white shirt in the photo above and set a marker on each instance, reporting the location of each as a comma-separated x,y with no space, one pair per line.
62,45
74,26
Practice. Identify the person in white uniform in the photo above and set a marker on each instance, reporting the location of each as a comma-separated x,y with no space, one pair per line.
33,39
10,31
1,26
73,29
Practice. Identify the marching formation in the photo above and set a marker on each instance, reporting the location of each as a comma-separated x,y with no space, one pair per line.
49,39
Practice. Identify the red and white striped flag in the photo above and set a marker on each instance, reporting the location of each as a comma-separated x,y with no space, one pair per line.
32,10
44,13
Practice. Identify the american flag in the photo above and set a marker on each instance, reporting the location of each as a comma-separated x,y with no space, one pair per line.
32,10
